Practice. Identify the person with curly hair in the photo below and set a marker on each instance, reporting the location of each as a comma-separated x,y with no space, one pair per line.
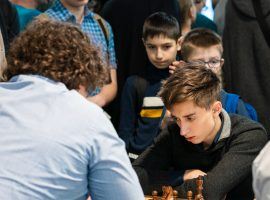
55,143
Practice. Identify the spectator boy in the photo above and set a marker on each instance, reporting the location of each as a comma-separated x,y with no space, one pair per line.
141,109
205,47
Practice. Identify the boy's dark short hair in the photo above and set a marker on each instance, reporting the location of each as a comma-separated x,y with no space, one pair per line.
199,37
161,23
191,82
59,51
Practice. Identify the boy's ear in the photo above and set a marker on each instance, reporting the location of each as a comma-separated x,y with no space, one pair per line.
143,41
217,108
221,62
179,43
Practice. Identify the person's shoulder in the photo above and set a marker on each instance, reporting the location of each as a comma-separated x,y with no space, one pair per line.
243,125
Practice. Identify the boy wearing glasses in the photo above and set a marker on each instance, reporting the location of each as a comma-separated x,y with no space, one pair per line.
202,139
204,46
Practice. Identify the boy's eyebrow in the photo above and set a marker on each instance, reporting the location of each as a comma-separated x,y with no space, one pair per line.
189,115
185,116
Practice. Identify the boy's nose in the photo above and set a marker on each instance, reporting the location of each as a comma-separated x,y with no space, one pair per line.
159,54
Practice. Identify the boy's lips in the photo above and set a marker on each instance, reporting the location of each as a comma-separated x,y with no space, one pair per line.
190,138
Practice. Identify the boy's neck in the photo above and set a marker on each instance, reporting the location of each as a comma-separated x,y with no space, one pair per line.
78,12
214,132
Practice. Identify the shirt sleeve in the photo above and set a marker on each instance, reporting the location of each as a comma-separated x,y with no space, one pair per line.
261,174
111,48
153,165
111,176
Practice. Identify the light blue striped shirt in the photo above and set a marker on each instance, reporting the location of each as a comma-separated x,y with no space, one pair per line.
57,145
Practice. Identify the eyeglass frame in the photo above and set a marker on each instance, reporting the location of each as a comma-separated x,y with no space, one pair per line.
208,63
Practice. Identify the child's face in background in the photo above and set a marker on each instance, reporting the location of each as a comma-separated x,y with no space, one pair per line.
161,50
210,57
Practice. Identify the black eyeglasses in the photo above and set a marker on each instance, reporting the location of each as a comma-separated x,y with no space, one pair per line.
212,64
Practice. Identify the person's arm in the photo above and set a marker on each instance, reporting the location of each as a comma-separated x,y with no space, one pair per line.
234,166
153,165
107,93
110,175
128,112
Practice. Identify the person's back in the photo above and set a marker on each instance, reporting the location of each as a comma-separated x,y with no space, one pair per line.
205,47
56,144
161,34
247,54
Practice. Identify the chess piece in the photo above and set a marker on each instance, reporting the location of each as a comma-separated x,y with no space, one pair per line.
199,183
167,193
189,195
155,195
175,195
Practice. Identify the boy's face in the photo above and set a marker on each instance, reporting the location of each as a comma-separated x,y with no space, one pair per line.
210,57
161,50
197,125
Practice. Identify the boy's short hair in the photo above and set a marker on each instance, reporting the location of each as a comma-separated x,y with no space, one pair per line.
59,51
191,82
199,37
161,24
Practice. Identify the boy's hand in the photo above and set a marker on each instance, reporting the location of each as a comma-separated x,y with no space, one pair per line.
175,65
193,173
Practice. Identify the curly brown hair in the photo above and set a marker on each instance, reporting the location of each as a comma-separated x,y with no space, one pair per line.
59,51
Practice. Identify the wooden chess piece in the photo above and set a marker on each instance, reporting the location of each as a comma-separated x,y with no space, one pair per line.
155,195
189,195
175,195
167,192
199,183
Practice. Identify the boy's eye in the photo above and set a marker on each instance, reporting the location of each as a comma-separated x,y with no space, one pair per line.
150,47
214,62
190,118
167,47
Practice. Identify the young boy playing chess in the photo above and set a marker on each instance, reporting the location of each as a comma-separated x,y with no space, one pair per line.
202,139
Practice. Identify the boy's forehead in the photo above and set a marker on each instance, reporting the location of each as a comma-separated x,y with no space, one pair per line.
159,39
203,52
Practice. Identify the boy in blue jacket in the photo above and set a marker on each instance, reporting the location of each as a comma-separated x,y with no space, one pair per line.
203,46
141,109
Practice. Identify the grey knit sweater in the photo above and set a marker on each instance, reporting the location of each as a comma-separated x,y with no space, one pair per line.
227,162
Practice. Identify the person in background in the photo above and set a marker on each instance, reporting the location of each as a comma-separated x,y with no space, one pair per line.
77,12
9,22
187,16
201,20
27,10
127,18
55,143
205,47
201,140
247,54
141,110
